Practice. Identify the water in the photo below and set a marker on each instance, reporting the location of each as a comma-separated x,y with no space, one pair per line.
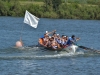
37,61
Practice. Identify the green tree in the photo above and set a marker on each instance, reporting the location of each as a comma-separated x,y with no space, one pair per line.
48,5
16,9
56,4
3,9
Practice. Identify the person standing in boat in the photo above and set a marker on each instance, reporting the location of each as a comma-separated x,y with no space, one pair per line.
72,40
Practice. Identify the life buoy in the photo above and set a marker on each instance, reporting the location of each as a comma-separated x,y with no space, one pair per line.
19,44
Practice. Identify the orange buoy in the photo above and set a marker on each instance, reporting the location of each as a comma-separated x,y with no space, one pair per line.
19,44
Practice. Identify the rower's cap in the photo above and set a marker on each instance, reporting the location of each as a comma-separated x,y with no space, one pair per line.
46,31
57,34
49,36
64,36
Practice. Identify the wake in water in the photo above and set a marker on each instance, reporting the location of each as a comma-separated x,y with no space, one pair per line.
40,53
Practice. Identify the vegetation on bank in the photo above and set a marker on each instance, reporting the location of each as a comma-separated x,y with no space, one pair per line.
70,9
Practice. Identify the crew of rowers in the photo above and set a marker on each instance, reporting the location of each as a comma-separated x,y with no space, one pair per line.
55,41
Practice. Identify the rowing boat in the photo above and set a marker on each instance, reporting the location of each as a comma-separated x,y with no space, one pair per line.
71,48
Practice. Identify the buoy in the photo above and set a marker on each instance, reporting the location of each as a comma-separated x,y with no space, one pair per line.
19,44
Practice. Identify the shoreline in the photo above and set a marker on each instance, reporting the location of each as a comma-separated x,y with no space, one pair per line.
62,11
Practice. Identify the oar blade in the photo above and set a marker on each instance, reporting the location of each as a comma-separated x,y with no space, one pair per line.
86,48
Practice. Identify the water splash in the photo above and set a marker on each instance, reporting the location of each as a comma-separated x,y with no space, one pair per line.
38,53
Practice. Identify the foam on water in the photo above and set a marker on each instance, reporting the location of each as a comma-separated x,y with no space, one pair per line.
35,53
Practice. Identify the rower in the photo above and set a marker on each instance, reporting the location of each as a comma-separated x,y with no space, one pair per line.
72,40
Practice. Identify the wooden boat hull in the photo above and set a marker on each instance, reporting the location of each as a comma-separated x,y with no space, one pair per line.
71,48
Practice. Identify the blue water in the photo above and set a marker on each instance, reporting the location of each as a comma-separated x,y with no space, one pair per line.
37,61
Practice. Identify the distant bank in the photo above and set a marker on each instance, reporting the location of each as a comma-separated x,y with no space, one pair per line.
68,9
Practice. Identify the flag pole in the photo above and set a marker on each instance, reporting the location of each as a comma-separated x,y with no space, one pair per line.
20,43
21,32
31,20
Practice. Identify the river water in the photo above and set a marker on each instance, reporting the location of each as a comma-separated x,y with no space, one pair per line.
37,61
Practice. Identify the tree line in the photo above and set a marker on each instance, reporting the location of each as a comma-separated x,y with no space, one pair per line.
52,9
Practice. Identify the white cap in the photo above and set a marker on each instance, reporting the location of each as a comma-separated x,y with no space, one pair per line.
46,31
64,36
49,36
57,34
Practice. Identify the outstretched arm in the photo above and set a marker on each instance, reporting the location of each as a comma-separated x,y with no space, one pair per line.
51,32
77,39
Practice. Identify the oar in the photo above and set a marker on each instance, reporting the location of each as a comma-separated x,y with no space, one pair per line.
86,48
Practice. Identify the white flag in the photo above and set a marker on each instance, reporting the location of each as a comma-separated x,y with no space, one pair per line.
31,19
